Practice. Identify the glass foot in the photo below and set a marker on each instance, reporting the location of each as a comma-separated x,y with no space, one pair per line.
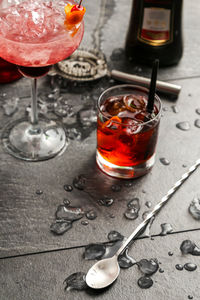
124,171
34,142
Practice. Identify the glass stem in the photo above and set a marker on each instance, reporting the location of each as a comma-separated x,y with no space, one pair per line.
34,110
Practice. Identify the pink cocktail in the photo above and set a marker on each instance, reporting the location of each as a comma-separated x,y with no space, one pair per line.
34,35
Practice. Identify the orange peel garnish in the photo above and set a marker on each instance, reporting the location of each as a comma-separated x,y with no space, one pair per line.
74,17
115,120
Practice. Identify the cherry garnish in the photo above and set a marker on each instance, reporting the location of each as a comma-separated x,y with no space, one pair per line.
77,7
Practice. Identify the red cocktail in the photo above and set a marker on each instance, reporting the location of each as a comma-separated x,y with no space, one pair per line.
8,72
34,35
126,132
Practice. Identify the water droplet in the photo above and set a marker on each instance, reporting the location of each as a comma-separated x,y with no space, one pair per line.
132,210
87,117
11,106
66,202
125,261
190,297
148,204
197,111
68,188
188,246
94,251
39,192
148,267
105,201
69,213
164,161
145,214
166,228
175,109
170,253
197,123
183,126
184,166
148,228
179,267
79,182
145,282
194,208
117,54
128,184
134,203
91,214
84,223
116,188
111,216
190,267
131,213
112,249
161,270
76,281
115,236
73,134
60,226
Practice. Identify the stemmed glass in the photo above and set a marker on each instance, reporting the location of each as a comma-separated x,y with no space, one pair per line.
34,36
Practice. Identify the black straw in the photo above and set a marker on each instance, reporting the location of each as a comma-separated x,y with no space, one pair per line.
80,3
152,89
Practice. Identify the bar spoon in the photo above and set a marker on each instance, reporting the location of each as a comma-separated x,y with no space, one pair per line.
106,271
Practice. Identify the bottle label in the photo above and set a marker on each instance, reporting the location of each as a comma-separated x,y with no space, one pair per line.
156,23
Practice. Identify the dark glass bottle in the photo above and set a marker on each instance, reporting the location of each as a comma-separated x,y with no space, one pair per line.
155,31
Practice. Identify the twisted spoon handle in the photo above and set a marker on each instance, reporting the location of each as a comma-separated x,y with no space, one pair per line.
158,206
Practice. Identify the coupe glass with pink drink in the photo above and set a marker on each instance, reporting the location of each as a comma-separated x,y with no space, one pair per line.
34,35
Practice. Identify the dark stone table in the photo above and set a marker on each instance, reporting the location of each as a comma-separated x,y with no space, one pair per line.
33,261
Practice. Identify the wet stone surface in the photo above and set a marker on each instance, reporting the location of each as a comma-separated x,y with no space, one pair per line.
66,202
91,215
69,213
166,228
114,236
185,126
39,192
148,267
194,208
68,188
116,188
125,261
179,267
59,226
94,251
105,201
190,247
148,204
190,267
197,123
164,161
133,207
76,281
145,282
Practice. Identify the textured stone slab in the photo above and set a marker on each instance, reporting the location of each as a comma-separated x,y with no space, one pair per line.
41,276
25,217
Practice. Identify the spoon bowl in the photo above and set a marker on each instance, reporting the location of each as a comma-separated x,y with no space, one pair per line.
103,273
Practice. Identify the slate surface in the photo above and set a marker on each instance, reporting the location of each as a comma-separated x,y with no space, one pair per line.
25,217
41,276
